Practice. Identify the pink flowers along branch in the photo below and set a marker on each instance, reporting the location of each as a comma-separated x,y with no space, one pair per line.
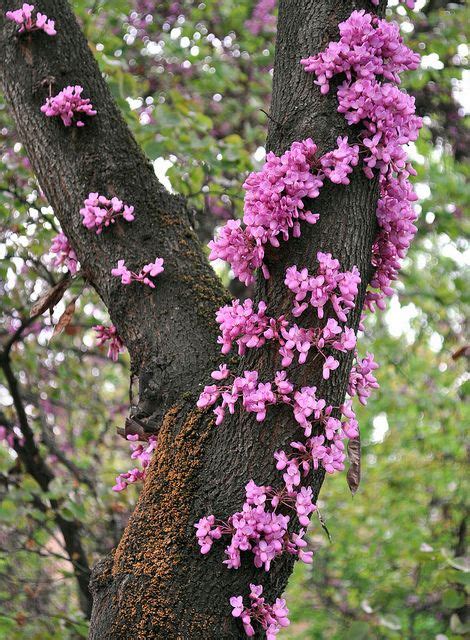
370,55
148,271
141,453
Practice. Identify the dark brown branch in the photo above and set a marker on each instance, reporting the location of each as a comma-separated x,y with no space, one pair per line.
49,441
30,456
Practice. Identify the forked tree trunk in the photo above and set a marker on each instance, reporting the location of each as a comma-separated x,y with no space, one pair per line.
156,585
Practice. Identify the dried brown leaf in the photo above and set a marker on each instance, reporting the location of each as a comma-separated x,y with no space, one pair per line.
65,318
354,471
463,352
52,296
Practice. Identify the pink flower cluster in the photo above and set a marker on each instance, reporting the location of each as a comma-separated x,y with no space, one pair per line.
70,106
368,47
361,378
371,52
260,527
388,115
249,329
328,285
254,395
274,203
24,18
273,210
240,323
99,212
150,270
109,334
326,450
141,453
339,163
65,255
272,618
396,217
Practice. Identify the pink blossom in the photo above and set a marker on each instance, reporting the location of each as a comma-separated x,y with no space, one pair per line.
368,47
304,505
64,254
272,618
339,163
100,212
27,22
141,453
329,284
109,334
330,364
371,54
221,373
361,378
152,269
273,210
70,106
238,322
207,532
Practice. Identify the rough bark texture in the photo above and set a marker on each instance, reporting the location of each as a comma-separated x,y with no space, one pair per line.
157,585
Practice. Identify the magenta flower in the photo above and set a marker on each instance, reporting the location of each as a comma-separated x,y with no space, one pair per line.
69,106
65,255
272,618
24,18
99,212
273,210
109,334
330,364
141,453
152,269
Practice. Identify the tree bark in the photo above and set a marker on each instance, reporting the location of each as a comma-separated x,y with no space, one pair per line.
156,584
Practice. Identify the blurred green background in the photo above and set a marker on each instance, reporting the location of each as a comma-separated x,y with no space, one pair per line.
193,80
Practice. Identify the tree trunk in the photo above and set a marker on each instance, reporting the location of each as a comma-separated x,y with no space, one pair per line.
157,585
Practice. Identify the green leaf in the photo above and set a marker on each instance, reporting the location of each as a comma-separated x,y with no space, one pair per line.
452,599
359,631
6,624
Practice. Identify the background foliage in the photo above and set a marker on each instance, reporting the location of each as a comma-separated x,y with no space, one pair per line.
193,81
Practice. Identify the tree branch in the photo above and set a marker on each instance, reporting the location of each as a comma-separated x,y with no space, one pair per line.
103,156
32,460
169,589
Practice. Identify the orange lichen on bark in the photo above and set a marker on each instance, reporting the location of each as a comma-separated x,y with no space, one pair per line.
150,557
